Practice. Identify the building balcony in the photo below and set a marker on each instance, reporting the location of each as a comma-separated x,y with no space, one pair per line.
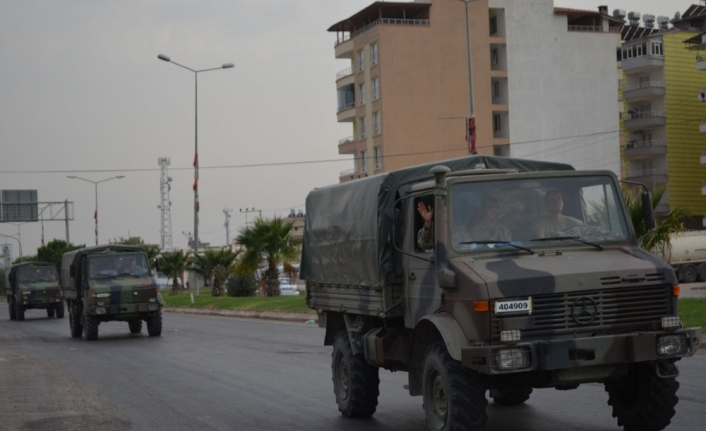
344,47
347,172
346,112
646,149
345,72
347,145
641,120
643,62
649,176
644,90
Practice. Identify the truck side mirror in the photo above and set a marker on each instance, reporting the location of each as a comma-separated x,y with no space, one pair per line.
647,214
72,270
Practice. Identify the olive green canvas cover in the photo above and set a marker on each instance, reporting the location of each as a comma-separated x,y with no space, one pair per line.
342,243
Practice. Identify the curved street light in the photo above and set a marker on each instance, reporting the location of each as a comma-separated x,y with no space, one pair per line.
95,183
195,242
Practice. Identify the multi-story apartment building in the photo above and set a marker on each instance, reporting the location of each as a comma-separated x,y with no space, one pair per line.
543,83
663,112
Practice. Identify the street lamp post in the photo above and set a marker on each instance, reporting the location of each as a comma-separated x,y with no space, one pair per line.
19,243
471,120
95,183
195,242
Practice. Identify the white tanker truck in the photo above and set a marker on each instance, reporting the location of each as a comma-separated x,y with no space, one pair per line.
687,255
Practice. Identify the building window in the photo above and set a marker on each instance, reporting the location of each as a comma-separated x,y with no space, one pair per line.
376,88
493,25
497,124
497,150
361,60
376,122
496,89
378,157
361,93
361,125
494,56
364,161
374,54
644,81
620,84
657,48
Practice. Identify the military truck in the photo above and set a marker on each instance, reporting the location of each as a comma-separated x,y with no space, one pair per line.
33,285
109,283
474,314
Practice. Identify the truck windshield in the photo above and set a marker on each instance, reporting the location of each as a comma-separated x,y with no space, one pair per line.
535,212
117,265
37,274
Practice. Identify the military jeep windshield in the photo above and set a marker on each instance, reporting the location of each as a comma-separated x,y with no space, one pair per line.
117,265
35,274
536,212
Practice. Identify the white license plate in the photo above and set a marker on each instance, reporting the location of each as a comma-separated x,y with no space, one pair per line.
521,306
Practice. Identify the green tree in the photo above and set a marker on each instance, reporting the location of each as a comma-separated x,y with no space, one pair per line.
216,265
657,238
267,240
173,264
2,281
54,250
26,258
131,240
151,250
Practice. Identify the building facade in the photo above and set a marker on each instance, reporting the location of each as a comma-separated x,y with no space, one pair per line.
540,83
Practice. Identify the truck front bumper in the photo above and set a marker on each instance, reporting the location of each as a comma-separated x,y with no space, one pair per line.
552,355
115,309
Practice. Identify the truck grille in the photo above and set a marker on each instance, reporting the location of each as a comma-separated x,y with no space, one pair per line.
605,311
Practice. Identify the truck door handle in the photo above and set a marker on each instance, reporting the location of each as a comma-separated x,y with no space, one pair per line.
412,276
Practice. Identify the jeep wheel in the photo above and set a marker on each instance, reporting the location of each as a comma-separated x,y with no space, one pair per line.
60,310
75,321
454,397
643,401
689,274
50,311
11,306
135,326
90,327
355,382
510,396
19,311
154,324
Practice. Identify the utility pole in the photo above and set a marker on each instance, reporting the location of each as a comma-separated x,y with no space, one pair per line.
227,212
165,204
249,210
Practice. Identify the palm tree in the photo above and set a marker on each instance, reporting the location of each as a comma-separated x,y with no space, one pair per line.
268,240
173,264
657,238
216,264
152,252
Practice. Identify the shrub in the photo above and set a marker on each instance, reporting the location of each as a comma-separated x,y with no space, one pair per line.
241,285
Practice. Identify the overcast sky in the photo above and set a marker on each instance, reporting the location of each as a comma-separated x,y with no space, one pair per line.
82,90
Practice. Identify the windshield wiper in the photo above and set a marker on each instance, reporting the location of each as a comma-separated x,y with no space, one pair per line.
500,242
574,238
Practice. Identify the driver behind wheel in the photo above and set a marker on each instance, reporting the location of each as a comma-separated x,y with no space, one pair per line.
554,221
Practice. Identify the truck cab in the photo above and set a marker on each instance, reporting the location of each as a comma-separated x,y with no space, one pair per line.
34,285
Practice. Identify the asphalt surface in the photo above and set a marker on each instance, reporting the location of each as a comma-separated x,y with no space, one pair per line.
216,373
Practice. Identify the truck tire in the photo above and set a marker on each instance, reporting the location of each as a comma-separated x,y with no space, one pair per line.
355,382
19,311
643,401
90,327
510,396
701,270
135,326
689,274
11,306
50,311
75,321
154,324
60,310
454,397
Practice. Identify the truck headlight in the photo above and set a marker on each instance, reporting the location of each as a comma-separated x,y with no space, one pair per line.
153,307
515,358
100,310
670,345
671,322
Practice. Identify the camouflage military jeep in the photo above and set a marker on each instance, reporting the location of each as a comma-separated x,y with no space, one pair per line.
110,283
33,285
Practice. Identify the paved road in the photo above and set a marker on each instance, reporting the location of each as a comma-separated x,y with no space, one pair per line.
212,373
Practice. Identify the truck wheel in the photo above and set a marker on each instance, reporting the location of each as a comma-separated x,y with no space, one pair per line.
689,274
60,310
50,311
90,327
11,306
701,272
75,321
19,311
355,382
135,326
154,325
454,397
510,396
643,401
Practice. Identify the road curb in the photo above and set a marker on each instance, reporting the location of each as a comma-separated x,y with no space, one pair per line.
264,315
